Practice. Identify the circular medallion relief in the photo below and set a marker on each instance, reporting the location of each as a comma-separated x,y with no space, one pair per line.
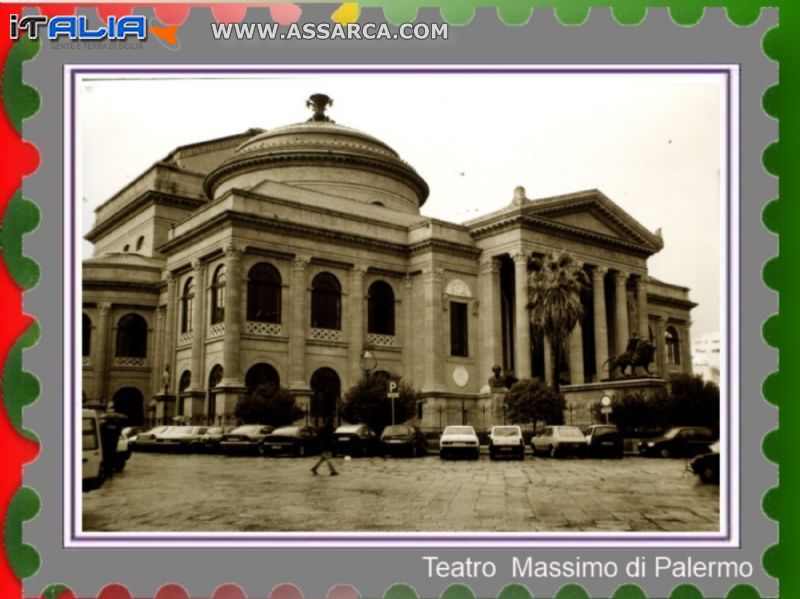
460,376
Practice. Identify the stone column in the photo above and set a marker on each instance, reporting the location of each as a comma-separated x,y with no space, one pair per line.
198,326
641,304
600,322
433,329
169,324
548,359
686,348
357,327
158,354
576,374
231,350
298,326
621,311
408,328
489,312
522,321
101,354
661,347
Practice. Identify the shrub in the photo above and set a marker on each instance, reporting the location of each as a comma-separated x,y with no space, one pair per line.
366,402
531,400
268,404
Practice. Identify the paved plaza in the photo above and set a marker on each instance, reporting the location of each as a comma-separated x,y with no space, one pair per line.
164,492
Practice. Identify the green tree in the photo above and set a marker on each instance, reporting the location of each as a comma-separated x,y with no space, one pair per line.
555,283
268,404
531,400
366,402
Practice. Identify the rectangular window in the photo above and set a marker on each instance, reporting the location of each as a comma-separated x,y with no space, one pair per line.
459,332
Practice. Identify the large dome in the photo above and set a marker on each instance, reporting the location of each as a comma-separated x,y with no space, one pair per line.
321,155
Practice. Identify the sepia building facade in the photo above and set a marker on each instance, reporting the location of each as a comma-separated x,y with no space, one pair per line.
283,255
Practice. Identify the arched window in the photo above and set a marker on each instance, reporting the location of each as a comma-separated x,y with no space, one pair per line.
126,248
261,374
673,344
380,308
86,342
264,293
187,307
131,336
185,381
326,302
218,295
139,243
214,379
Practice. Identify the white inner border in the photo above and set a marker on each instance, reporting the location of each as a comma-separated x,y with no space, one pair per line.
75,537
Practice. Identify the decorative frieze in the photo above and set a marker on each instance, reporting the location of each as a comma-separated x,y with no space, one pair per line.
325,335
185,338
262,329
216,330
381,340
128,362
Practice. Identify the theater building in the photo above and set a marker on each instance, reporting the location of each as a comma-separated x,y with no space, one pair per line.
285,255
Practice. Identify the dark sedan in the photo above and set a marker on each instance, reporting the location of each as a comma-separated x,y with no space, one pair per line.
403,439
706,466
245,439
355,440
604,440
679,441
299,441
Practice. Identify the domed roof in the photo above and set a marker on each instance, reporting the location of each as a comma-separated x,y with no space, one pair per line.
318,142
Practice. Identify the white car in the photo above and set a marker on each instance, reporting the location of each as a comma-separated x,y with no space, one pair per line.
459,440
92,459
506,440
556,441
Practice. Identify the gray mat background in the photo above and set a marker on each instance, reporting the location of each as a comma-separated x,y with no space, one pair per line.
486,40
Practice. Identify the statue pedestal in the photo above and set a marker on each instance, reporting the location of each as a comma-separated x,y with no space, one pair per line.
226,398
497,401
581,399
164,408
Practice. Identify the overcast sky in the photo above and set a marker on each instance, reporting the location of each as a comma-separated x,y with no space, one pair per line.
650,142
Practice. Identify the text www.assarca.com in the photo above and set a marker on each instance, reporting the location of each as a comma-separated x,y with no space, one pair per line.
329,31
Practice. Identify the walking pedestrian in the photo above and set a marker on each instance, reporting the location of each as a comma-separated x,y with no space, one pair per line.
326,449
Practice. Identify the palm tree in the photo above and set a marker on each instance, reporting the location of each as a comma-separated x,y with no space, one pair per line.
554,300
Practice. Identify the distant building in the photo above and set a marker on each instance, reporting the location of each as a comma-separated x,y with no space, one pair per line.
706,356
283,255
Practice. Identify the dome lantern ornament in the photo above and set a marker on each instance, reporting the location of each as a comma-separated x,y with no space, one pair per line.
319,103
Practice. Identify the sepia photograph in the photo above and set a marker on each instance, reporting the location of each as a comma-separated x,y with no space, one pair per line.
360,303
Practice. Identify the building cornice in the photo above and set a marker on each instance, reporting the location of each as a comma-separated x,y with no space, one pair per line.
663,300
145,199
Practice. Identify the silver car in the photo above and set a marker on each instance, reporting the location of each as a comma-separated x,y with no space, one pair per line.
557,441
459,440
506,440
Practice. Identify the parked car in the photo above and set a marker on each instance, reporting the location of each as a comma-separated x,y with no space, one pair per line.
355,440
706,466
557,441
181,438
299,441
245,439
92,459
403,439
115,447
461,440
684,441
506,440
604,440
210,440
147,441
126,436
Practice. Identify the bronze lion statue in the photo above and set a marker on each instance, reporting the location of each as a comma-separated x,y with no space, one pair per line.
640,353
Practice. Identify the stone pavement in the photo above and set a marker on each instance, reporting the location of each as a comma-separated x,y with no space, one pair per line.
163,492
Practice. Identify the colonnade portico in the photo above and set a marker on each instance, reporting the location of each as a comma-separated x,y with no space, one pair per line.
617,321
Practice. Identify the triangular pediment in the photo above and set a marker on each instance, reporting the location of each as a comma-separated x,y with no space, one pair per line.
594,213
590,220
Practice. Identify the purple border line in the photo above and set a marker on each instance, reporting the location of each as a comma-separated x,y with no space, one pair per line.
380,541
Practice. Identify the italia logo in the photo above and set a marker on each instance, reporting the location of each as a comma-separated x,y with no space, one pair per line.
77,27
